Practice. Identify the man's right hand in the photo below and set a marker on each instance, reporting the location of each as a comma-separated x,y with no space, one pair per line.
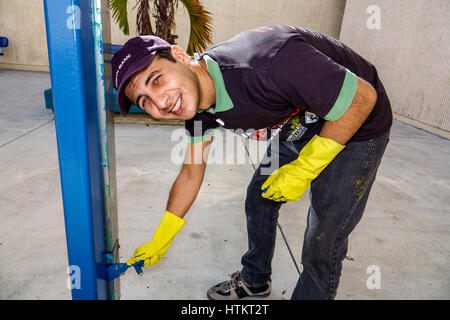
153,251
182,195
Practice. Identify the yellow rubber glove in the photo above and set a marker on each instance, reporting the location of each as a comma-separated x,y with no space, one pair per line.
153,251
289,182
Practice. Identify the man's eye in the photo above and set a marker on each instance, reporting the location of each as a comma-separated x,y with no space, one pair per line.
156,80
144,102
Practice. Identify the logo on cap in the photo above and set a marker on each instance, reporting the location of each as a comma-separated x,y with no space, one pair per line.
120,67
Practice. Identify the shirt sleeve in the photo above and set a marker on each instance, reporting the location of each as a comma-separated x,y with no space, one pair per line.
200,127
308,79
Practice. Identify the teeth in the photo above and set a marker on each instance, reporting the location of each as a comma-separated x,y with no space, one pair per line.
177,105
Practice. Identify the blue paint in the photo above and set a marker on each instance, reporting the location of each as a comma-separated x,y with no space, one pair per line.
118,269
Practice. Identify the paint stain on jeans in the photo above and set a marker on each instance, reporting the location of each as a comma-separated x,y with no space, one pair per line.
319,237
361,185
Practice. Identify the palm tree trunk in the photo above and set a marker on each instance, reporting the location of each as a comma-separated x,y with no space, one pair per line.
164,15
163,12
143,22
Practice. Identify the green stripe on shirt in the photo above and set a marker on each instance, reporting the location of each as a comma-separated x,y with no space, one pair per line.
201,138
345,97
223,100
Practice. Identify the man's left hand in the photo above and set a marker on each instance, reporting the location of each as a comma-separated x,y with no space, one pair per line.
285,184
289,182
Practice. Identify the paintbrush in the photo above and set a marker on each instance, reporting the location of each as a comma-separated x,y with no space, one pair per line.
117,269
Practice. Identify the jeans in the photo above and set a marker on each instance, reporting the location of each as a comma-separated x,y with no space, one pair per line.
338,197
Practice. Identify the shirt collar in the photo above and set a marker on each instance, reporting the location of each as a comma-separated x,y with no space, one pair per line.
223,100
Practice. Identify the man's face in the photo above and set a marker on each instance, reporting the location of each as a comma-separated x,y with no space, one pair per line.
165,89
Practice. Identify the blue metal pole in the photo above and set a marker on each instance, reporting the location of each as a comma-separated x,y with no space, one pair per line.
70,38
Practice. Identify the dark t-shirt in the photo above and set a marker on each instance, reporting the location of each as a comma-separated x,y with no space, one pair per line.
285,82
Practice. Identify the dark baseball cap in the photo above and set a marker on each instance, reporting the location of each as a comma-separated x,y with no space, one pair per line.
135,55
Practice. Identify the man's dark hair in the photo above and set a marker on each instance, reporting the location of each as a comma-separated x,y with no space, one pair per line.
166,54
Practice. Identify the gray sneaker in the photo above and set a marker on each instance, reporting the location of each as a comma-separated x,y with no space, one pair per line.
236,289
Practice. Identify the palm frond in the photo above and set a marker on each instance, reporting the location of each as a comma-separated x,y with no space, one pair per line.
119,14
201,26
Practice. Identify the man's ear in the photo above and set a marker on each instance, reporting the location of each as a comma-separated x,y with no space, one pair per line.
179,54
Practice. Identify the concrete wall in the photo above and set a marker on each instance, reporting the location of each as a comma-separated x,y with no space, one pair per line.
411,50
22,21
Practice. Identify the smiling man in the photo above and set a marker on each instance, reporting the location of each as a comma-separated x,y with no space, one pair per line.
322,106
171,87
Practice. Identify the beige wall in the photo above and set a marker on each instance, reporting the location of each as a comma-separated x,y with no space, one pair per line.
22,21
411,51
234,16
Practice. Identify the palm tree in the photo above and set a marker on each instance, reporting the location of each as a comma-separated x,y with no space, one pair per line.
163,12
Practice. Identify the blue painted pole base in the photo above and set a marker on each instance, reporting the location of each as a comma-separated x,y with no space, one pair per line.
118,269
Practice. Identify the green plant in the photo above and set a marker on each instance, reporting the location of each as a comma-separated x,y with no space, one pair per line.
163,13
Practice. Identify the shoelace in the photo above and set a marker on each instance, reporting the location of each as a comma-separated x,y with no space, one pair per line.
235,281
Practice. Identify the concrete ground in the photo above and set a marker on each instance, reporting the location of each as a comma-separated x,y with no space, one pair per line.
403,238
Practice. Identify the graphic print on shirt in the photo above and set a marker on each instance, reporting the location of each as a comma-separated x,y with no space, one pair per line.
268,134
292,128
311,117
297,130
